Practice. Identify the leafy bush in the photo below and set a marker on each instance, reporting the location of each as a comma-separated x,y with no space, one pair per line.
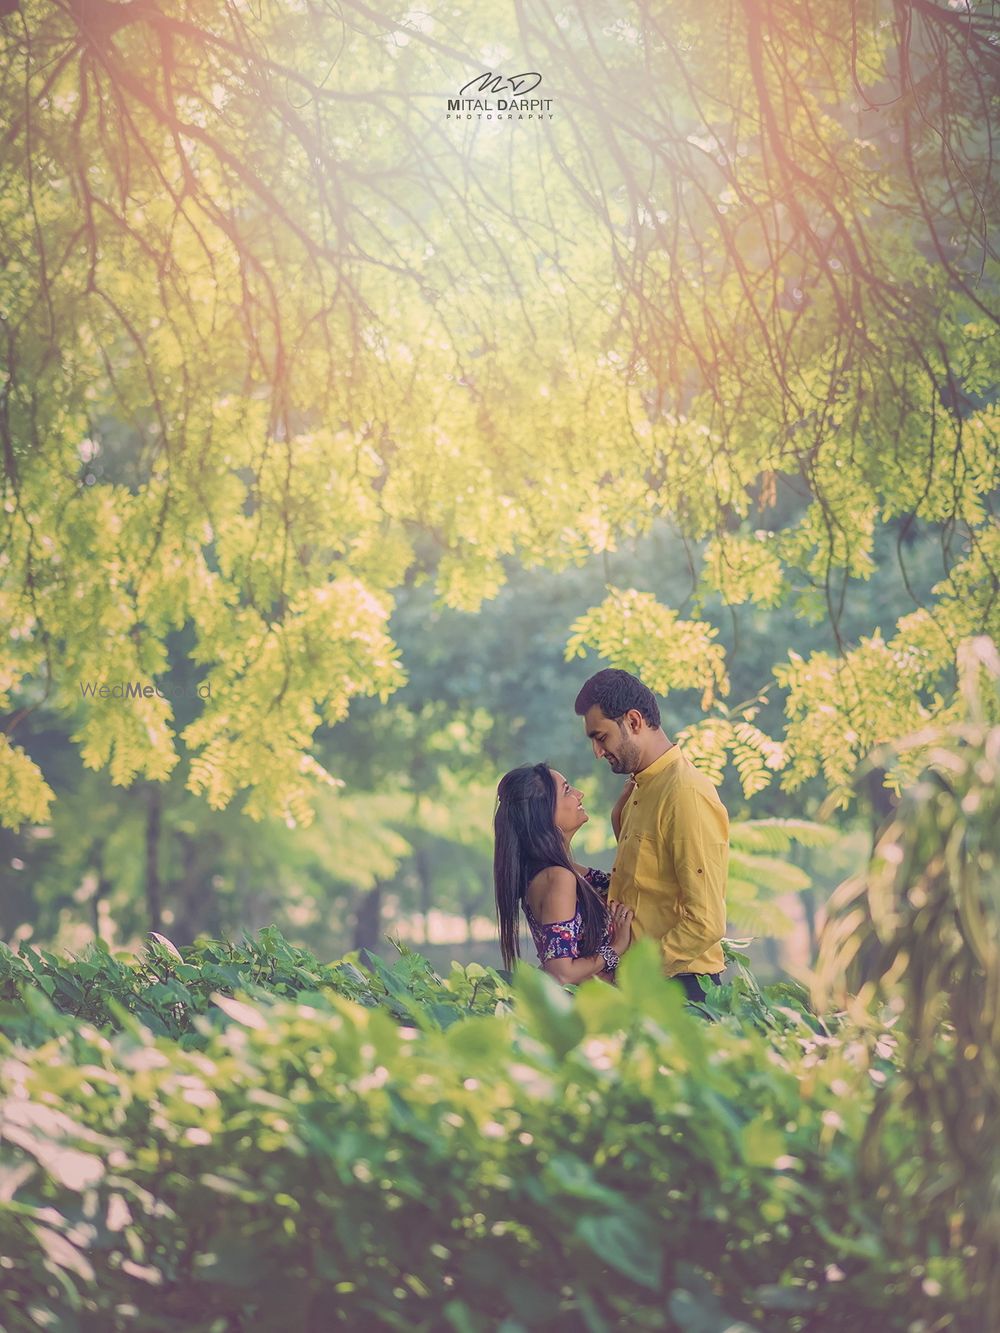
922,931
166,988
579,1162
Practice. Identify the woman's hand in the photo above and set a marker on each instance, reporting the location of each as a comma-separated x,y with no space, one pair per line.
621,926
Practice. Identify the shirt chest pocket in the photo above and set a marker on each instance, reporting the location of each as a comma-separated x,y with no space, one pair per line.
648,857
636,869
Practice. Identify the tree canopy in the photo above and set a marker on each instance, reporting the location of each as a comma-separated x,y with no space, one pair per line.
281,337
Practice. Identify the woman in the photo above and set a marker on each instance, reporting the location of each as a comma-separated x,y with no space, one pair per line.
577,934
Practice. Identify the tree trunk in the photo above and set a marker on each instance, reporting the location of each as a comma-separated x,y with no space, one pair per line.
426,892
368,918
258,907
100,893
193,896
153,813
882,802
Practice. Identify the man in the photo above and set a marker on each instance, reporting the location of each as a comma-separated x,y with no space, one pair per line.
672,830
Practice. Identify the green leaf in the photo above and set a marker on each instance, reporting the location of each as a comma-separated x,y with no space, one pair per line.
627,1242
548,1011
762,1142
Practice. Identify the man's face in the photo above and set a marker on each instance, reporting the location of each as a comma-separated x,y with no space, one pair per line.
613,739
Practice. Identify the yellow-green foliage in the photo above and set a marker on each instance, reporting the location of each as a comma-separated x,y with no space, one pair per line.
918,935
278,336
634,631
758,875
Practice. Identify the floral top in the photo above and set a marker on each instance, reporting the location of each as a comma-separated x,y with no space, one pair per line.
561,939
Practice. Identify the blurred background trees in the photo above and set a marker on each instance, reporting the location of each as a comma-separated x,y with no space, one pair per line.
409,834
356,419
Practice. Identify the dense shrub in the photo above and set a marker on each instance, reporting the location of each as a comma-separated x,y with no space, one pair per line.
165,988
587,1161
920,931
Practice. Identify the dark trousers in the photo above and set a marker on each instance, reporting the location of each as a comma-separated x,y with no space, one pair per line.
689,980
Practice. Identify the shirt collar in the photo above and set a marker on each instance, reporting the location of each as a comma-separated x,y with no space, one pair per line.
658,765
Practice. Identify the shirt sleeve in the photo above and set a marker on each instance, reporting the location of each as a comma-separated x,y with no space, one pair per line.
699,847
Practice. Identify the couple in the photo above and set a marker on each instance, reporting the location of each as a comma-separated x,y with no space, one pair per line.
669,876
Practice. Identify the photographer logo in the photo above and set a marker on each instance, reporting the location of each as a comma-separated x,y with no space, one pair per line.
491,96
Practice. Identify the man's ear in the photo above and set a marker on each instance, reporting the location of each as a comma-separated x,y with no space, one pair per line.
634,719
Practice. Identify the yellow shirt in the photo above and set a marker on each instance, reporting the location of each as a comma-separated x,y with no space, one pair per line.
671,865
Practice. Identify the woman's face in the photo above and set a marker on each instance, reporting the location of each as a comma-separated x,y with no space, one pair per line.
570,814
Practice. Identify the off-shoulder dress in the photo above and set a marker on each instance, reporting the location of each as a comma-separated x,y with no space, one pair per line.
561,939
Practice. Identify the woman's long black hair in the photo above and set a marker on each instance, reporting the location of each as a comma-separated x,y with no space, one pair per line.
527,841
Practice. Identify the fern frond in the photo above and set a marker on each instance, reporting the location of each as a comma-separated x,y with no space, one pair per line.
760,918
767,872
779,835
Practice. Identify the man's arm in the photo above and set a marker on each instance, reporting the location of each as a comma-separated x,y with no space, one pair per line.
620,804
699,847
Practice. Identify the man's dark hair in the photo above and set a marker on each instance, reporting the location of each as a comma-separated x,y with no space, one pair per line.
615,693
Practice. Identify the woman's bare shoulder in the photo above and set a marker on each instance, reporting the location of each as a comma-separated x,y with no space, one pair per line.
552,895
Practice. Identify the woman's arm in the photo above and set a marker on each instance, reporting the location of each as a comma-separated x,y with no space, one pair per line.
621,941
571,971
558,903
616,813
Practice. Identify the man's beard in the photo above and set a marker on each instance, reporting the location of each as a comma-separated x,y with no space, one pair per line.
627,760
